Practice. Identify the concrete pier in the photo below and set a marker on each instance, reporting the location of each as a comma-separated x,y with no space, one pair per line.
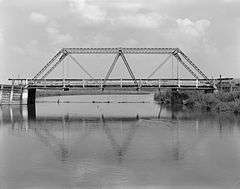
31,96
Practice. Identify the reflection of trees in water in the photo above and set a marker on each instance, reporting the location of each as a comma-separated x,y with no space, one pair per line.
227,123
177,151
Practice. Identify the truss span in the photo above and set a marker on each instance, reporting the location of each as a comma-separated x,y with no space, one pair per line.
120,52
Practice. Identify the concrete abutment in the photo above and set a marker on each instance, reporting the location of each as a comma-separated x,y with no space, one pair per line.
10,94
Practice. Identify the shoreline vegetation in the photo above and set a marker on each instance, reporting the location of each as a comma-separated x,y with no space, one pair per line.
214,102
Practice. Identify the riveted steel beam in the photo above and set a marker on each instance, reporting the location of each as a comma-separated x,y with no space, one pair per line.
124,50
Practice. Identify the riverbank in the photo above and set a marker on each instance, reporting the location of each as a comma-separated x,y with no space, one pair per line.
216,102
72,92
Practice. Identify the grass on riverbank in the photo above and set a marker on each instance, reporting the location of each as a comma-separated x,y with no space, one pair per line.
219,102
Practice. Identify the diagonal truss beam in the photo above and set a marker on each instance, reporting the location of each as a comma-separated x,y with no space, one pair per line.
47,65
120,53
159,66
193,65
83,69
128,67
111,68
185,65
54,66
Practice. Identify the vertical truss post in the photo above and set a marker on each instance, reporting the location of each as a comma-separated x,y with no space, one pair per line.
172,65
83,84
45,83
179,83
101,84
177,69
197,83
63,82
159,83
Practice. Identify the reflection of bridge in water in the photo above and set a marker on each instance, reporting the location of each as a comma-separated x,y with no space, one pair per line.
29,124
44,128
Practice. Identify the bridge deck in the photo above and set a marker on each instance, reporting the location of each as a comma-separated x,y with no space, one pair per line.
114,84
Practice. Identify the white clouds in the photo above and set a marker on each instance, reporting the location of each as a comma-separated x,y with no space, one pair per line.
1,44
194,29
117,13
52,28
230,1
121,22
2,55
152,20
90,12
192,35
1,36
128,5
30,48
38,18
56,36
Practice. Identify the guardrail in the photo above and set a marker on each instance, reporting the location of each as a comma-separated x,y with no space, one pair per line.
141,83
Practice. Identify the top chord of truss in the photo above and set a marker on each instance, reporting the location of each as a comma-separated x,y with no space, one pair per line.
116,50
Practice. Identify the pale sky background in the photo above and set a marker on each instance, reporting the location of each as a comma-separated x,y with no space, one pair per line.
32,31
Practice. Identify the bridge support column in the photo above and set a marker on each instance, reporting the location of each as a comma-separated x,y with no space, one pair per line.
31,109
31,96
28,96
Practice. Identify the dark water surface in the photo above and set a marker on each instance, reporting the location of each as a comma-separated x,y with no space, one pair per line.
116,145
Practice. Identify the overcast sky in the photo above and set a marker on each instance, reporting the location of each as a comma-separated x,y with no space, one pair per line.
31,32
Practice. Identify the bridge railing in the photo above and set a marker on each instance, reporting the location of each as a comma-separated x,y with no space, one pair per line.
111,82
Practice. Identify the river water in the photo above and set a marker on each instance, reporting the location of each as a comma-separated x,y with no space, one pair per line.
116,142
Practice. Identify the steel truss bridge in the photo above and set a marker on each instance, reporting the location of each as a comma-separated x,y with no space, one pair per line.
40,80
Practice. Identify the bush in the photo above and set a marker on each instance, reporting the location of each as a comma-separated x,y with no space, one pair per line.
221,101
235,106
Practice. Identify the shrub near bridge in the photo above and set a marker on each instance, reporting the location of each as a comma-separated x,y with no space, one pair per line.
219,101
